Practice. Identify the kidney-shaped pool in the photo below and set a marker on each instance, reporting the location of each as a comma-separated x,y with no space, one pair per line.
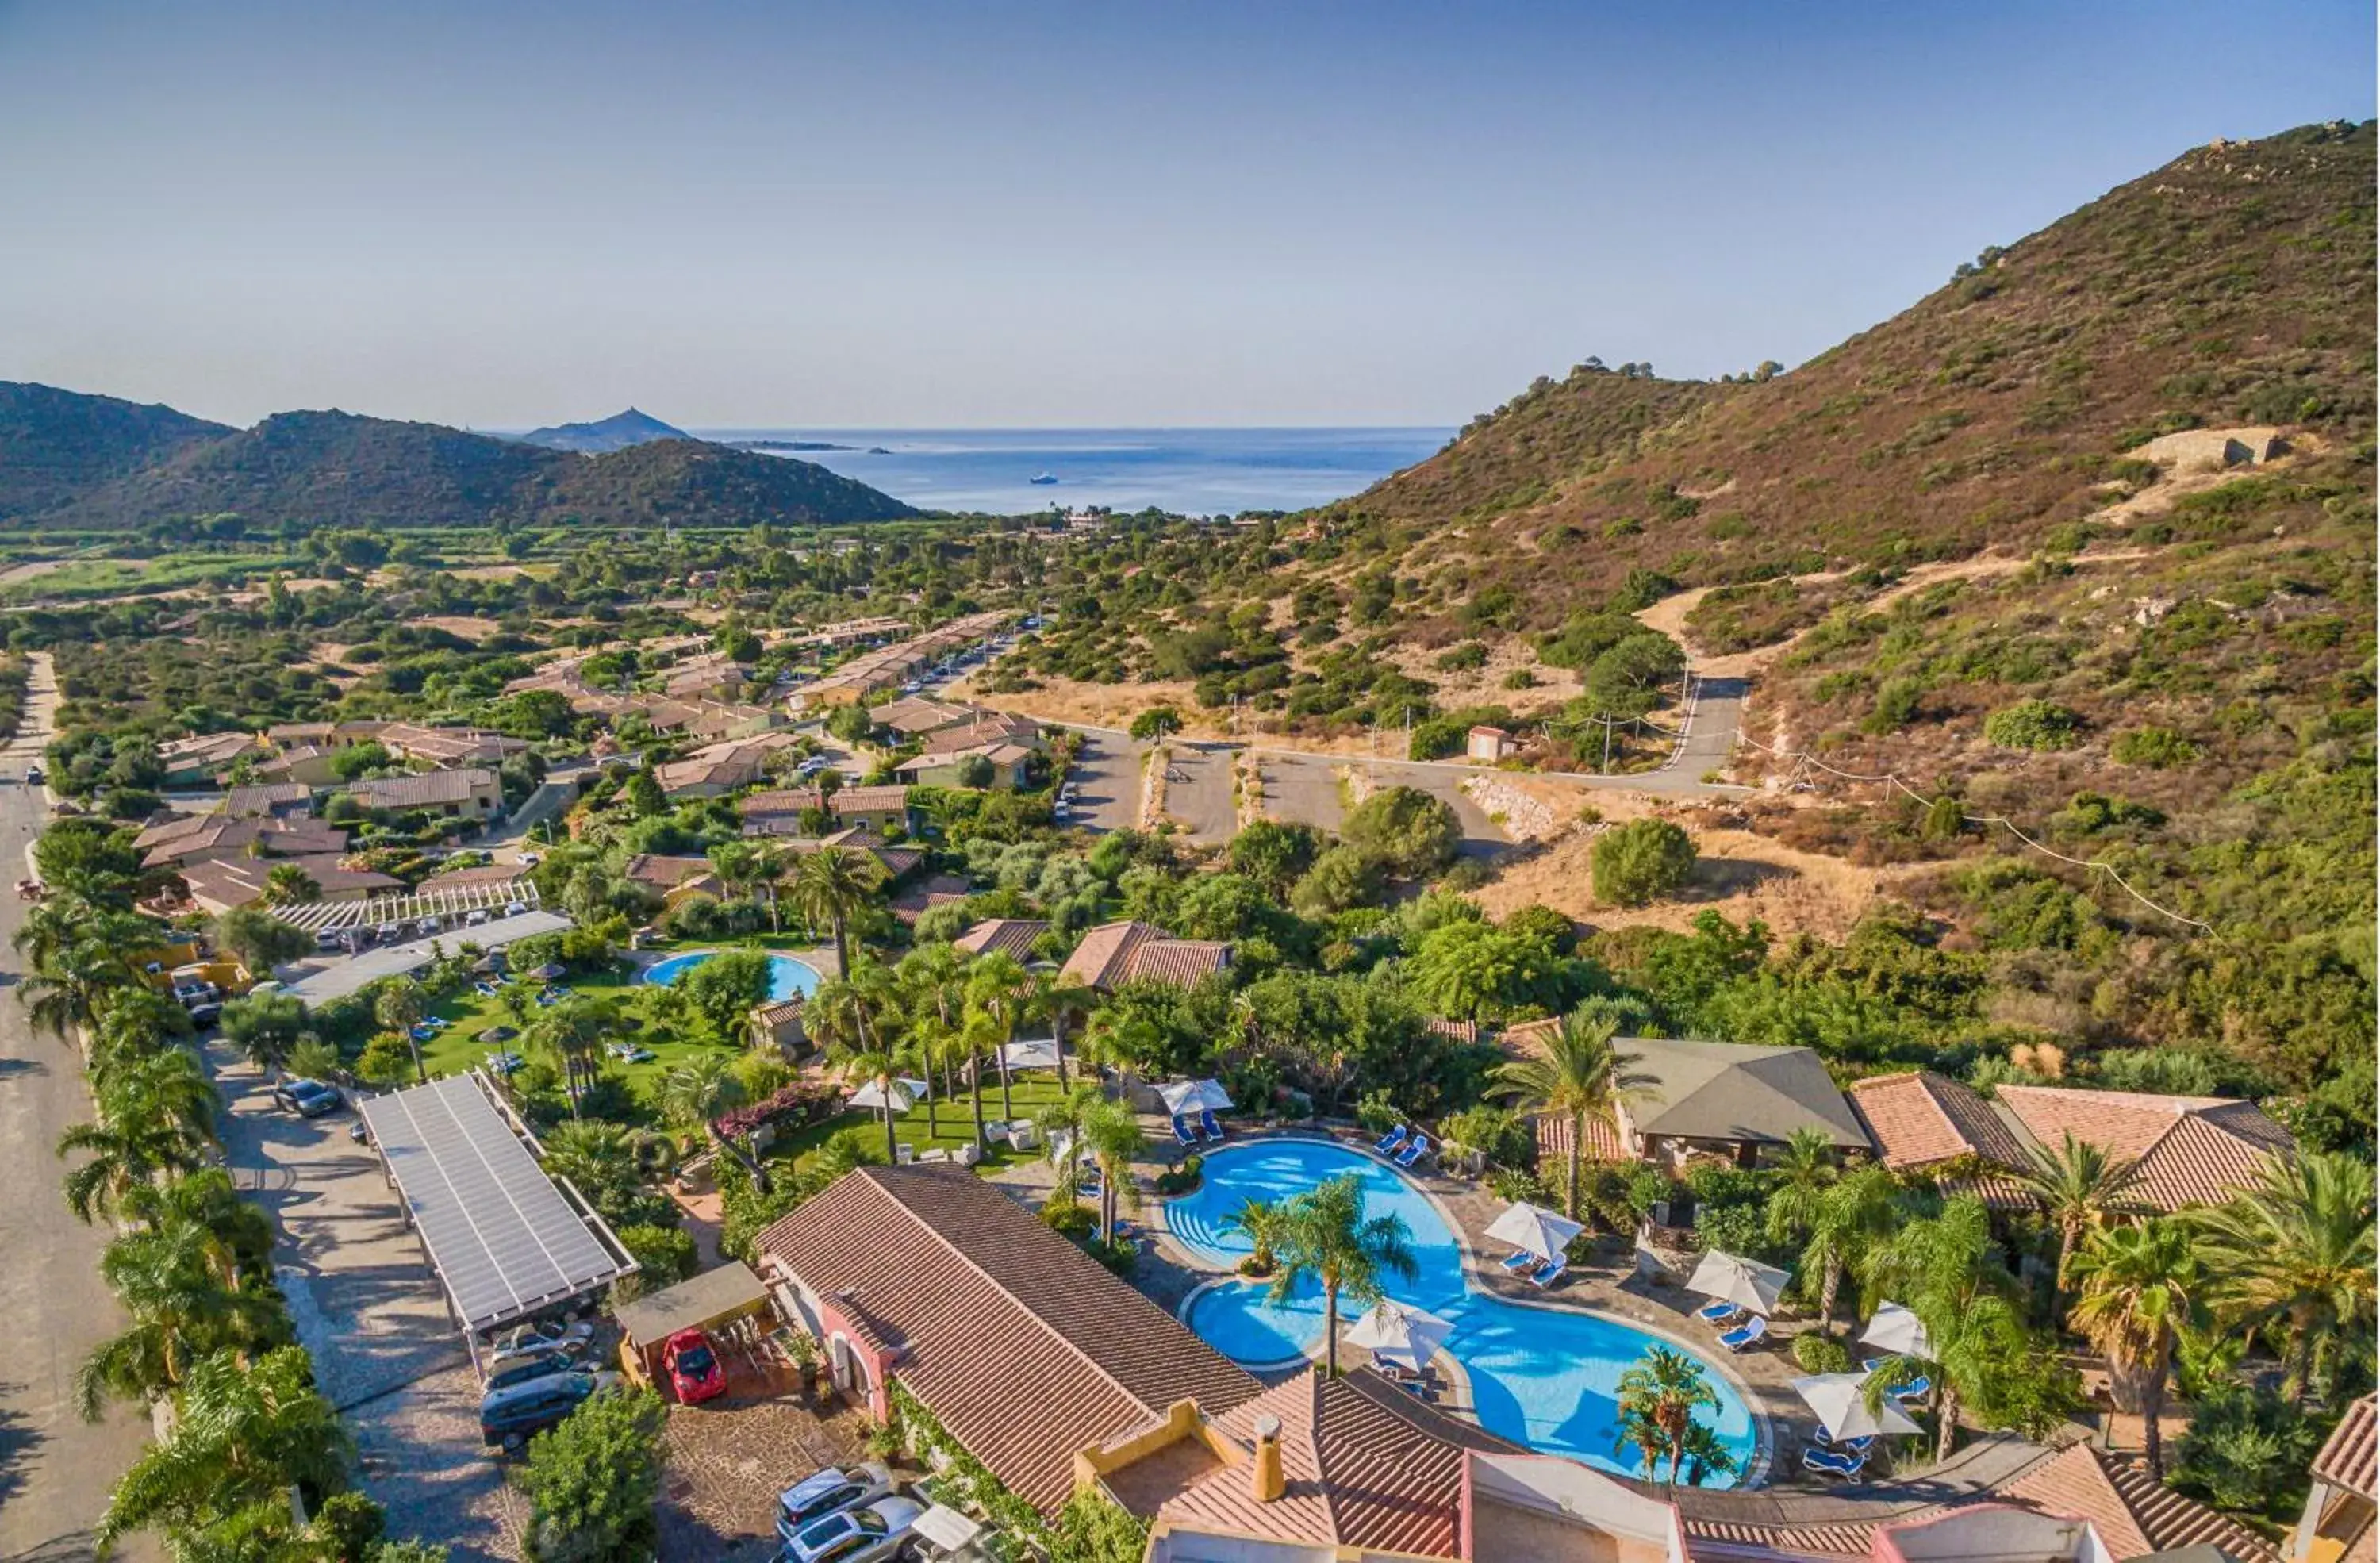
1545,1376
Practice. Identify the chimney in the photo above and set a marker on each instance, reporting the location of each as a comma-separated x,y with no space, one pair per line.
1267,1468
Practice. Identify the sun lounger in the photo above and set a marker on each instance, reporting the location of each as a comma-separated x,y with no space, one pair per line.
1182,1134
1749,1335
1521,1259
1855,1445
484,989
1419,1147
1915,1389
1209,1127
1390,1143
1548,1273
1718,1312
904,1155
1842,1467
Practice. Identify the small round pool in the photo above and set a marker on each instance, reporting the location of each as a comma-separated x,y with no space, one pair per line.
1545,1376
788,979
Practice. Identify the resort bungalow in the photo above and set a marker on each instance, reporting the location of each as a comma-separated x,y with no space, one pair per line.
1024,1349
713,774
469,794
1006,764
675,880
1013,935
1714,1099
780,1026
285,799
202,761
197,838
219,884
1116,953
779,812
2338,1521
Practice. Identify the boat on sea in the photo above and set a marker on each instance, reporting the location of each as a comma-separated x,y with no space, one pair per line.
1045,478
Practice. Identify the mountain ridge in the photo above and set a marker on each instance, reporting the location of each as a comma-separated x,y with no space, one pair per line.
602,435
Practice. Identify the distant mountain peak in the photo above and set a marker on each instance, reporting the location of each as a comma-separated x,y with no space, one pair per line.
617,432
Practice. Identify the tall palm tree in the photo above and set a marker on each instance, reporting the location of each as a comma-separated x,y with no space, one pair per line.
1058,997
1856,1212
1111,1133
156,1116
73,987
1581,1076
2294,1255
1951,1274
1806,1171
979,1034
1265,1223
2079,1186
880,1070
249,1432
1659,1396
698,1089
571,1034
1330,1238
137,1022
833,885
237,1234
288,884
180,1311
2137,1288
399,1007
1002,990
1063,1120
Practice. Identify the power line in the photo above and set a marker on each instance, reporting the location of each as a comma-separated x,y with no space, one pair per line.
1802,760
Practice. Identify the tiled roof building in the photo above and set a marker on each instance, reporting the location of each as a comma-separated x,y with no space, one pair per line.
2191,1150
1116,953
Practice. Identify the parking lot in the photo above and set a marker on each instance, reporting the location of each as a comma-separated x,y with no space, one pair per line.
324,979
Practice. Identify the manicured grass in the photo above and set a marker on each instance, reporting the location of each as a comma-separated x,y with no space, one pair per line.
1028,1094
458,1047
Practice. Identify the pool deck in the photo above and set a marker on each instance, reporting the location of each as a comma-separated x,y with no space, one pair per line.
1169,1274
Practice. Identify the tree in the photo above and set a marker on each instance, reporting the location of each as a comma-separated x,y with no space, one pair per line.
237,1234
606,1162
1582,1076
1406,830
1001,989
288,884
1156,722
1659,1396
1849,1218
249,1430
2079,1186
1111,1133
70,990
259,939
1641,862
1331,1239
1265,1223
591,1481
699,1089
2294,1255
1626,681
1274,855
181,1310
264,1027
156,1116
571,1036
399,1006
724,989
644,795
833,885
1951,1274
1806,1171
2137,1288
1468,970
1340,879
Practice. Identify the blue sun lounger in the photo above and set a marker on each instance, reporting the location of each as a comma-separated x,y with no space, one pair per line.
1390,1143
1843,1467
1548,1273
1209,1127
1182,1134
1415,1151
1523,1260
1855,1445
1717,1313
1915,1389
1753,1330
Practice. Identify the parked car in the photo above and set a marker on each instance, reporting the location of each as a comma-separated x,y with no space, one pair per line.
545,1348
811,766
528,860
856,1535
428,926
510,1417
330,938
519,1369
696,1374
388,933
537,1331
205,1015
34,776
829,1492
514,908
474,918
308,1098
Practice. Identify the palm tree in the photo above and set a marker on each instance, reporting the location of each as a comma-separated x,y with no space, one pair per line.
1805,1171
1952,1276
249,1432
399,1008
699,1089
287,884
1853,1213
181,1311
932,1046
1331,1239
1111,1133
156,1116
607,1162
1659,1396
1063,1120
74,986
1582,1076
2294,1255
1057,998
2079,1186
238,1235
878,1069
1265,1223
2139,1288
832,886
137,1022
571,1034
1002,990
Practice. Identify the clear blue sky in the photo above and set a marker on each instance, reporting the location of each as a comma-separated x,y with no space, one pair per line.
1019,215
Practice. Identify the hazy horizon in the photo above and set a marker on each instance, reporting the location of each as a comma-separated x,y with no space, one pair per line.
739,215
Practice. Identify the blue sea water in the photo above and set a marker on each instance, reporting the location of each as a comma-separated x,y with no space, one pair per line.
1187,471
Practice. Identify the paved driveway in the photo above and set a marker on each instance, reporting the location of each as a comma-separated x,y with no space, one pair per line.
1198,790
1306,789
1105,775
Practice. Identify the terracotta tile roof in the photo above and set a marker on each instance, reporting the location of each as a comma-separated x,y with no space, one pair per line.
1115,953
2350,1458
266,798
1553,1140
2133,1514
430,788
2192,1150
212,836
1014,935
934,890
664,872
209,749
1021,1344
236,881
782,800
1358,1476
868,800
1923,1118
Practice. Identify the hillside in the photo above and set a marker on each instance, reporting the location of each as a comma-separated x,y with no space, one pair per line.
2234,285
54,444
617,432
339,469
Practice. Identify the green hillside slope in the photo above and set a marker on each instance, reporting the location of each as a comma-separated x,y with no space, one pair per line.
56,444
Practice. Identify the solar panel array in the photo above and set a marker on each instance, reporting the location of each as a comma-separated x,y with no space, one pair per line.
505,1240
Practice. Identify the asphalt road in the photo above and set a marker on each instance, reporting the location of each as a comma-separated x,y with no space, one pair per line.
1306,789
1198,790
1107,782
56,1470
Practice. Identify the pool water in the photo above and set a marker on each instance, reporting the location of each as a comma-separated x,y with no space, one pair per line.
1546,1377
788,979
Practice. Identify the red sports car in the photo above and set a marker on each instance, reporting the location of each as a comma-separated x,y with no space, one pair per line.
694,1368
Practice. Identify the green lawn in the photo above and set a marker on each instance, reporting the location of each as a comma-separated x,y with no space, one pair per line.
458,1047
1028,1094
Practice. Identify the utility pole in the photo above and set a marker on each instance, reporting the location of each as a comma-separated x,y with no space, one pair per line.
1607,746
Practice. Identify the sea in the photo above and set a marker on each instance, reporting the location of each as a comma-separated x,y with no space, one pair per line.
1186,472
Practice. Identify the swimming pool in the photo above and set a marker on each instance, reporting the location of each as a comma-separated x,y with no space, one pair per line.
788,979
1547,1378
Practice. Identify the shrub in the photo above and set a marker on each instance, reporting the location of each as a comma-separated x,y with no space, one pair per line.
2033,724
1640,862
1069,1219
1896,706
1819,1353
1183,1179
2157,748
2245,1447
1463,658
666,1254
592,1479
1407,831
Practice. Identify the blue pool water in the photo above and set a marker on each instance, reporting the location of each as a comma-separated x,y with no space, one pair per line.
787,977
1547,1378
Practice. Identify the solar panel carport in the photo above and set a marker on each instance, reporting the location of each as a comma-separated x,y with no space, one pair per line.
505,1238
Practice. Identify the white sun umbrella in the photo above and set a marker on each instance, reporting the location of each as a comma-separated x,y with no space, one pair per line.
899,1095
1896,1329
1840,1401
1405,1335
1535,1228
1192,1095
1747,1283
1033,1052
